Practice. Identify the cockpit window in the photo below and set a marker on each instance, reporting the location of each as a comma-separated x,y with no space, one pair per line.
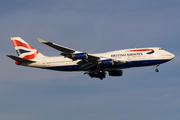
160,49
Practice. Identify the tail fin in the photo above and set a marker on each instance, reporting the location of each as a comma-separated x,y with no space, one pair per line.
24,50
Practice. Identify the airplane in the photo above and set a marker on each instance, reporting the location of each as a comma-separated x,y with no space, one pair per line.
95,65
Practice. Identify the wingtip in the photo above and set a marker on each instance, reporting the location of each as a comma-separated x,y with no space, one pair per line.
9,55
41,40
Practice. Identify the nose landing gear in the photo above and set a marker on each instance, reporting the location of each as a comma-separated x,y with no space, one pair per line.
157,70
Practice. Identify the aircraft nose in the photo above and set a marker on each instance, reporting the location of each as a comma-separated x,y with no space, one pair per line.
173,56
169,56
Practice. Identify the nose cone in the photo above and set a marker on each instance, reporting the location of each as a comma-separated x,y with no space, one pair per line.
172,56
168,56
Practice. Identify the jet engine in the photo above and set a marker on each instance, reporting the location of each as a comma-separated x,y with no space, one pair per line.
107,62
80,56
76,56
116,73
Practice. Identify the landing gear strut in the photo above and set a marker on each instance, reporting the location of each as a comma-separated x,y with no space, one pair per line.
157,70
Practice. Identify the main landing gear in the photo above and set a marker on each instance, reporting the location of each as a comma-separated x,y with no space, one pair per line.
97,74
157,70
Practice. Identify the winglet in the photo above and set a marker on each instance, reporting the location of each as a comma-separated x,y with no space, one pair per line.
41,40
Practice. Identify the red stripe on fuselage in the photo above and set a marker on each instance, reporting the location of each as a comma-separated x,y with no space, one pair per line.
17,43
142,50
32,56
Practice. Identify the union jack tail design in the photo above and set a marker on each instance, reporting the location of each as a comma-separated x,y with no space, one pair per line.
24,50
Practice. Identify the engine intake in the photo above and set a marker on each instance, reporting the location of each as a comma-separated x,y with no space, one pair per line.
116,73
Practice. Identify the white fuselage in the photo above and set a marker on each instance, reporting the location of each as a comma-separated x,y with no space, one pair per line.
132,58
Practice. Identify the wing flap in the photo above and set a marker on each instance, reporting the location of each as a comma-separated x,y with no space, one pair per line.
89,66
92,57
86,64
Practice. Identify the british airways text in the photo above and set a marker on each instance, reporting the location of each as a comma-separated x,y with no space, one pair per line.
123,55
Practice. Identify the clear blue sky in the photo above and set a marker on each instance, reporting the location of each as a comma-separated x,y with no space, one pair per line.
90,26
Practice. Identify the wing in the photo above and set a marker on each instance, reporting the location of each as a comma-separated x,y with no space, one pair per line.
68,52
57,47
87,61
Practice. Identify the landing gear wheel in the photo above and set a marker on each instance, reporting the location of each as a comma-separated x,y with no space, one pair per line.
156,70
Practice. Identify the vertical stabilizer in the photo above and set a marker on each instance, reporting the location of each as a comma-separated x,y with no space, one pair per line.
24,50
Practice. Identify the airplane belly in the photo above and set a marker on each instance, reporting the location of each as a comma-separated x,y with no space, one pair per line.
63,66
66,68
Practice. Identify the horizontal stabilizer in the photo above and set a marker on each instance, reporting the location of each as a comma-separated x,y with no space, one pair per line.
22,60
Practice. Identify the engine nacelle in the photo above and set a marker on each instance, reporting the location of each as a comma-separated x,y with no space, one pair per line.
80,56
116,73
108,62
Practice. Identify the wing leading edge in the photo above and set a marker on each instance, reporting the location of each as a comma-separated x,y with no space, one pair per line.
57,47
67,52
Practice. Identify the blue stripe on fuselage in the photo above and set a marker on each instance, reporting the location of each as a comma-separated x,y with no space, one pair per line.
66,68
128,64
